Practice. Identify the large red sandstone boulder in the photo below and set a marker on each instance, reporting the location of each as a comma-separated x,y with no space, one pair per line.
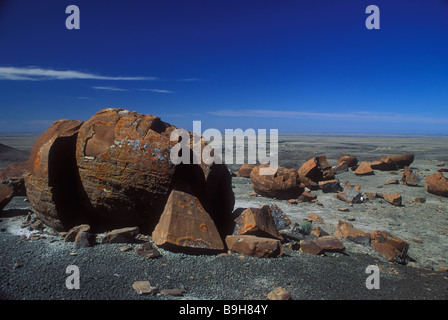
284,184
51,179
347,231
393,162
114,171
257,221
314,170
437,184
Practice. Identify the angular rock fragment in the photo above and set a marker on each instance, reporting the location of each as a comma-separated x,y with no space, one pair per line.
350,194
284,184
257,221
410,178
185,225
122,235
330,186
348,159
314,170
321,245
307,197
399,160
319,232
84,239
314,217
389,246
73,232
148,251
254,246
346,230
437,184
364,169
393,198
281,220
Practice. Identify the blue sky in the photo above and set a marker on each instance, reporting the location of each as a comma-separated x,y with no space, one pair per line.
296,66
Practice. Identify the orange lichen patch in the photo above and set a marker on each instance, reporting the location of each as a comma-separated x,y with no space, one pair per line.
203,227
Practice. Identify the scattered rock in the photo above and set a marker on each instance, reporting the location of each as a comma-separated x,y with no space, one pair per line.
348,159
410,178
394,181
321,245
184,224
420,200
125,248
284,184
389,246
173,292
314,170
437,184
319,232
254,246
346,230
70,236
148,251
314,217
144,288
84,239
307,197
350,194
330,186
399,160
281,220
279,294
393,198
257,221
364,169
123,235
370,195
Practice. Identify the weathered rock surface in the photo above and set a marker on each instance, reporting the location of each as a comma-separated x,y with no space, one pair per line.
410,178
350,194
255,246
284,184
148,251
314,170
321,245
346,230
279,294
392,162
307,197
393,198
348,159
389,246
364,169
6,195
52,180
437,184
330,186
257,221
184,224
281,220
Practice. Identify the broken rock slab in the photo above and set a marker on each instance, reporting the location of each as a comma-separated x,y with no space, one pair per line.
346,230
350,194
364,169
185,225
122,235
321,245
6,195
258,222
392,198
328,186
389,246
254,246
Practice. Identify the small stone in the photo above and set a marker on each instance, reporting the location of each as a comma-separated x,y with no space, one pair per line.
417,240
125,248
144,288
279,294
314,217
123,235
420,200
173,292
395,181
393,198
147,250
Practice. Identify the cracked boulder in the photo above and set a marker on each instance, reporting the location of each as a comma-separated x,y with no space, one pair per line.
52,178
284,184
185,225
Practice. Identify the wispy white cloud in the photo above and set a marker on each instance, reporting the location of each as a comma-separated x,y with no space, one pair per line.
334,116
109,88
189,79
40,74
156,90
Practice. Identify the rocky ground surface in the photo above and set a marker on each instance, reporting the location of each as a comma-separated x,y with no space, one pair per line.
33,264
